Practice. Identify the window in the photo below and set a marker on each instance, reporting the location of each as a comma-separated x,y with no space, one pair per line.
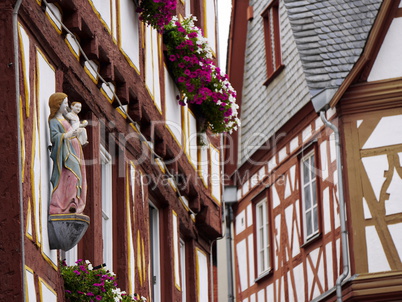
309,195
272,40
183,270
187,3
154,244
262,237
107,197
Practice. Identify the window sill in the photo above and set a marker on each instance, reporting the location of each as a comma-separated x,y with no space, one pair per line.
264,275
311,240
273,75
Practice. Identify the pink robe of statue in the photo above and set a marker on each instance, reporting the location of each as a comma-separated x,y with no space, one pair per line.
68,174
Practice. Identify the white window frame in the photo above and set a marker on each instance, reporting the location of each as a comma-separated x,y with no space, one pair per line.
155,252
309,195
182,246
262,237
107,202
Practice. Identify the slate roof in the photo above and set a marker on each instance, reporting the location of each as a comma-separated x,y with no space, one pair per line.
330,36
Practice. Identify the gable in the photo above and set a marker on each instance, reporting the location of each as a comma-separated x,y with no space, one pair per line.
388,63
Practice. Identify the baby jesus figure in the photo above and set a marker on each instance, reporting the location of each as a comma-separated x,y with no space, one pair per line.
76,124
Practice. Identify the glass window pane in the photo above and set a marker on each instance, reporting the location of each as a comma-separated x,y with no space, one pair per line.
314,193
305,172
307,198
312,166
315,219
308,223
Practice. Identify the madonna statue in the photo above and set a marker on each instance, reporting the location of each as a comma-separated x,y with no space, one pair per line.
68,175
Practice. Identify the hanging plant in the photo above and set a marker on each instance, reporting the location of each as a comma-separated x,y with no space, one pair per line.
201,83
84,283
157,13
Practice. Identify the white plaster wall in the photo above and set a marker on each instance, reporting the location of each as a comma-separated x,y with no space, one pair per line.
374,167
129,30
240,222
275,198
47,86
152,64
387,132
270,292
324,161
296,230
329,262
192,139
394,205
203,280
277,239
215,174
241,251
204,164
396,234
249,215
261,296
299,282
327,210
211,24
250,242
104,9
30,285
172,108
388,63
176,250
377,261
47,294
25,60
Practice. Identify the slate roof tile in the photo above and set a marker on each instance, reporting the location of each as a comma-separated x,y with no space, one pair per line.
330,36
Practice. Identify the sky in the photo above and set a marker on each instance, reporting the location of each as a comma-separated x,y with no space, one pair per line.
224,10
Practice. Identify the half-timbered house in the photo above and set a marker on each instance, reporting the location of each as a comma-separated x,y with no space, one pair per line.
317,163
153,197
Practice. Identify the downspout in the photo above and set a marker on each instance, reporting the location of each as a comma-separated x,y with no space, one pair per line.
229,253
17,104
342,216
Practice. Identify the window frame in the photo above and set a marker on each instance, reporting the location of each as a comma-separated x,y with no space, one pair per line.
107,208
155,245
262,198
273,49
183,267
316,231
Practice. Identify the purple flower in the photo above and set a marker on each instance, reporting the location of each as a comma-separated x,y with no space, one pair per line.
98,297
172,58
77,272
90,294
228,112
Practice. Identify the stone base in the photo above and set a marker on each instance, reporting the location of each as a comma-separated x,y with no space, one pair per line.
66,230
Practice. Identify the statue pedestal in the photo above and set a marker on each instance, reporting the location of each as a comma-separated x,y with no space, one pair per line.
66,230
